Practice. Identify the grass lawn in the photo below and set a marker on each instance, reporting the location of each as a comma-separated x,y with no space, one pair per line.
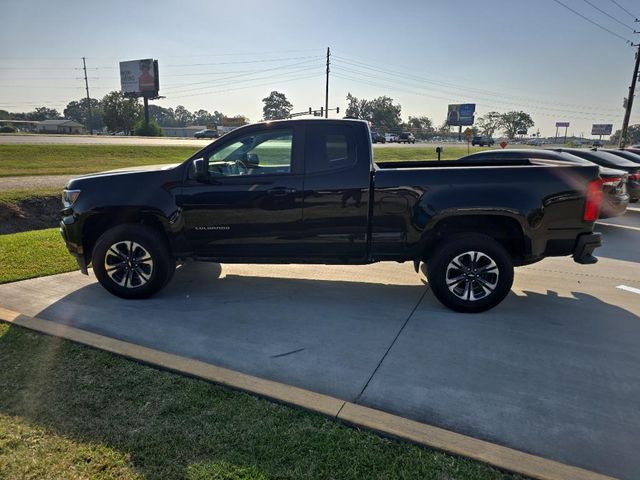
68,411
19,160
10,198
33,254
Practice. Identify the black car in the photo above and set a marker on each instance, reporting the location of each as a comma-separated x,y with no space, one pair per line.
377,138
482,141
206,133
626,154
406,137
607,159
614,182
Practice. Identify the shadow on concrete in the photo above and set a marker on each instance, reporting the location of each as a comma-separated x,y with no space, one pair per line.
327,336
552,375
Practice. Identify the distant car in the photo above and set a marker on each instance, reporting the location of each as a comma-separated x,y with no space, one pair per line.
390,137
406,137
377,137
606,159
535,142
614,182
206,133
482,141
597,143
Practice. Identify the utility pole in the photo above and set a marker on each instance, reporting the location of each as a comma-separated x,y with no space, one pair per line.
326,91
86,84
632,89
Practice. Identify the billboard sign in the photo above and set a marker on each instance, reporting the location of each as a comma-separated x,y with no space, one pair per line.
234,121
562,124
461,115
139,78
601,129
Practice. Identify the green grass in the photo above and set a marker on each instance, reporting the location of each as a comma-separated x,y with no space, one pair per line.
14,197
33,254
18,160
71,412
391,154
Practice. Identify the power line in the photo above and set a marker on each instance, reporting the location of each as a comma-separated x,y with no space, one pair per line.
610,16
624,10
457,87
592,22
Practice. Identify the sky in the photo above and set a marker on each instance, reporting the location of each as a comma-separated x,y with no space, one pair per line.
502,55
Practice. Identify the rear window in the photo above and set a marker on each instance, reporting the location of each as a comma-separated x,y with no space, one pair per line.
329,148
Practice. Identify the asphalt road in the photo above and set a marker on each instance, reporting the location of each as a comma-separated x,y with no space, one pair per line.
169,141
554,370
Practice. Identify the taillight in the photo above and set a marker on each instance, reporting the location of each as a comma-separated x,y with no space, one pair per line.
611,181
594,201
635,177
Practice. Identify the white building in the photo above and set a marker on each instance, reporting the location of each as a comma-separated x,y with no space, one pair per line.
60,126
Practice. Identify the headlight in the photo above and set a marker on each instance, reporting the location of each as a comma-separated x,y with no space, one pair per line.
69,197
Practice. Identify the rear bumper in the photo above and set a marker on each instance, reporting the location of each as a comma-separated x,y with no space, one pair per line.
585,245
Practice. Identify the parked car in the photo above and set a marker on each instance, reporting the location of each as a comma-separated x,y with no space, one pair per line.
614,182
597,143
242,198
377,137
406,137
610,160
390,137
536,142
206,133
482,141
626,154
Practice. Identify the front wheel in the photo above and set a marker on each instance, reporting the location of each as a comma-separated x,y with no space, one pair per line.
470,273
132,261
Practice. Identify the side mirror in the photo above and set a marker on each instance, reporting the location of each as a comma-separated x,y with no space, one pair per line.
199,169
252,159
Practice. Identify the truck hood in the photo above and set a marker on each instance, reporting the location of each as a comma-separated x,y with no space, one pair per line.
74,182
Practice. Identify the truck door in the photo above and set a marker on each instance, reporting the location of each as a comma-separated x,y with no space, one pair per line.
251,204
336,191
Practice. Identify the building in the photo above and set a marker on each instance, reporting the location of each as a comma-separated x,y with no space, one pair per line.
60,126
181,131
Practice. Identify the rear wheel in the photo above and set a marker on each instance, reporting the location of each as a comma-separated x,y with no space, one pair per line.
470,273
132,261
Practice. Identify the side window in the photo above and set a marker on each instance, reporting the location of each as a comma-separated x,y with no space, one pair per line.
263,153
329,148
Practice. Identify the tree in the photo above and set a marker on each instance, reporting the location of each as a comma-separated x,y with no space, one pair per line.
183,116
633,135
78,111
276,106
120,113
162,116
203,117
420,126
512,122
43,113
150,130
383,114
489,123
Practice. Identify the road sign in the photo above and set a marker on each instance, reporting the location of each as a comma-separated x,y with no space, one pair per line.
601,129
562,124
468,133
503,144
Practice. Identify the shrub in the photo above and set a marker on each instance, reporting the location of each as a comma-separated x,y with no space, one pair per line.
151,130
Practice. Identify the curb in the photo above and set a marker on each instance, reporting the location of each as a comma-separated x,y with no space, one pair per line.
357,415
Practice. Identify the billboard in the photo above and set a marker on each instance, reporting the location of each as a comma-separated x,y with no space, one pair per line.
139,78
601,129
562,124
234,121
461,114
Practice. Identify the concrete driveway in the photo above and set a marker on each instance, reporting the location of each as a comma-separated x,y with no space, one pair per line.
553,371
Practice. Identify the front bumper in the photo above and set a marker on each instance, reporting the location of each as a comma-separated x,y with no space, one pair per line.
585,245
75,250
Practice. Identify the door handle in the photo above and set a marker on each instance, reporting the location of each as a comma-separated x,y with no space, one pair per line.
281,191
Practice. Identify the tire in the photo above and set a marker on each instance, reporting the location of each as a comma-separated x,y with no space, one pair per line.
488,278
132,261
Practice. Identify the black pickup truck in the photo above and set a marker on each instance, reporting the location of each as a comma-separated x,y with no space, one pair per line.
309,191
